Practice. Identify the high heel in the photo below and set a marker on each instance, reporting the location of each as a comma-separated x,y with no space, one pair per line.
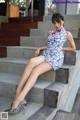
24,102
17,109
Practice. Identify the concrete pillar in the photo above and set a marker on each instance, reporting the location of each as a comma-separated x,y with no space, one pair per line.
73,8
61,8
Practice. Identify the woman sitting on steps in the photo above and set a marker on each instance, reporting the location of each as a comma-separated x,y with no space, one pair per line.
51,58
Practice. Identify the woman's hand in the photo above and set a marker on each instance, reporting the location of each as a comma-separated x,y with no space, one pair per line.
37,52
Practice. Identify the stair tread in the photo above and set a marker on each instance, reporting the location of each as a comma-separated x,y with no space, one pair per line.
42,113
56,86
24,113
14,79
14,60
24,61
23,47
33,37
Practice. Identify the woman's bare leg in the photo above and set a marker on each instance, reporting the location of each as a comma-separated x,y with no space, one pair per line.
33,62
43,67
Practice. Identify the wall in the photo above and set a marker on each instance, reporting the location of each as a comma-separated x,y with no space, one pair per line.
63,8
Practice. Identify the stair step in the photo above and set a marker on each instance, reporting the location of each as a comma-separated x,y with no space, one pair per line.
63,115
18,26
75,32
72,26
38,33
10,81
7,41
38,41
25,19
14,33
47,18
35,41
3,52
66,17
76,106
73,17
42,113
17,66
42,31
68,24
70,57
28,52
21,52
62,74
77,42
52,94
24,113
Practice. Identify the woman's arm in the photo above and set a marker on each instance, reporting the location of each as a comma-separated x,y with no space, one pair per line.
43,48
71,41
39,49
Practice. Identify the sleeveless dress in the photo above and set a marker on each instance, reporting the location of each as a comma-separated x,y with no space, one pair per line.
54,54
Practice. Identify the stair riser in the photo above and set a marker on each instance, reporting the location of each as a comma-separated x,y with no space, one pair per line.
68,24
47,18
8,91
45,27
18,26
44,31
62,75
32,41
70,57
38,41
20,53
73,17
68,17
15,34
36,95
37,32
3,52
72,24
26,19
51,98
9,41
19,69
77,43
52,94
75,32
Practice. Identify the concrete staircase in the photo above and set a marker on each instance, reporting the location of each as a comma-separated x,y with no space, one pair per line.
53,90
76,106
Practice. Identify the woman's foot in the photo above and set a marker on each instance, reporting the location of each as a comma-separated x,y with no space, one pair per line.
14,110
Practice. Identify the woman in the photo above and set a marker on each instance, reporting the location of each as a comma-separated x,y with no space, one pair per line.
51,58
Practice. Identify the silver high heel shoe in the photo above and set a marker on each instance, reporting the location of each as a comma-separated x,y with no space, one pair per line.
17,109
24,102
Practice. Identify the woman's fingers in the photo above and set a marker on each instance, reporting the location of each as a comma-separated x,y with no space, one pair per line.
37,52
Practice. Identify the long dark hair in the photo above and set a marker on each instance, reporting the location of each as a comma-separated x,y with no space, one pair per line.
57,17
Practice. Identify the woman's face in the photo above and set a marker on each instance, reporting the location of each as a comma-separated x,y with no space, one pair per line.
58,25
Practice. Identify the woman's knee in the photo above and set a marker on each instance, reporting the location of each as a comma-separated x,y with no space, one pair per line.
32,62
35,72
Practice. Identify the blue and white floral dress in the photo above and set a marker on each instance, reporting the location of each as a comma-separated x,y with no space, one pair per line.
54,54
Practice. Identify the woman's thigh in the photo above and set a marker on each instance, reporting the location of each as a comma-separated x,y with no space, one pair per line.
37,60
42,68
